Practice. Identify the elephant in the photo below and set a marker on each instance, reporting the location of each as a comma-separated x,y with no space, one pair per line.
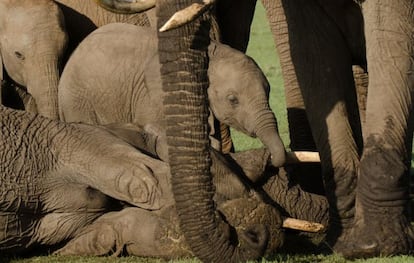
365,169
63,187
37,38
125,56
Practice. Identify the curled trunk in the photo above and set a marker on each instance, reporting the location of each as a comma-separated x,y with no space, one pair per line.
268,134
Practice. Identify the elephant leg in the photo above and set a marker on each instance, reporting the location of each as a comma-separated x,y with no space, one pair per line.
382,224
142,232
235,32
56,227
132,230
20,232
322,69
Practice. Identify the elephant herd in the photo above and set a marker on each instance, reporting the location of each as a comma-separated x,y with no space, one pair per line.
115,135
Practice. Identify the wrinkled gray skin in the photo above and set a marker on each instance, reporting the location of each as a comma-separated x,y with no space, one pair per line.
37,37
58,178
113,77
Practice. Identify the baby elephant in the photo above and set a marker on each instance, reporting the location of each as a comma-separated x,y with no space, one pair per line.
114,77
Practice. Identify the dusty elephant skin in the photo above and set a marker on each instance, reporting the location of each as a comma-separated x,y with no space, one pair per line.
37,37
136,231
125,56
49,163
56,179
366,205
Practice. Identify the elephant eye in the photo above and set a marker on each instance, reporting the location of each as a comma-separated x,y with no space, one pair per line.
19,55
233,99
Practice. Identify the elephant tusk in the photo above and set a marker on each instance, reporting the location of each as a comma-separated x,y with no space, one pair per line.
302,157
186,15
302,225
126,6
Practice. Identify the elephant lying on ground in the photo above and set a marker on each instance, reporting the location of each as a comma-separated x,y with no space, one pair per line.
37,37
114,77
63,181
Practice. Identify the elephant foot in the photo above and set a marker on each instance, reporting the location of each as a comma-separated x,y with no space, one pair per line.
376,234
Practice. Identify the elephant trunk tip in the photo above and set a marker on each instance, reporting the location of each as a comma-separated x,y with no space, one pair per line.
279,159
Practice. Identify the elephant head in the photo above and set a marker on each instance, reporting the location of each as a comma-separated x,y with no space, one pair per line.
239,98
32,41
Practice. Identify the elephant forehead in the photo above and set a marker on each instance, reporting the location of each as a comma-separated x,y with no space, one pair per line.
242,75
30,39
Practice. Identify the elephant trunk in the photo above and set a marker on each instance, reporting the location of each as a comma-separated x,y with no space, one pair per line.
266,130
42,84
296,202
183,58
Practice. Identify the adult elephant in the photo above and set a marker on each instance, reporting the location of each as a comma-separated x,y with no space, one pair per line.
365,170
36,38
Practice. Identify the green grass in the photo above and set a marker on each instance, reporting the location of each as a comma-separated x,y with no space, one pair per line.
261,48
285,258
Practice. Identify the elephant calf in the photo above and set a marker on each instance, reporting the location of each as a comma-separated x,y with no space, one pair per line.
114,77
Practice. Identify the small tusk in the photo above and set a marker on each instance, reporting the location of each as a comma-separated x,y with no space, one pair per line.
126,6
302,225
302,157
186,15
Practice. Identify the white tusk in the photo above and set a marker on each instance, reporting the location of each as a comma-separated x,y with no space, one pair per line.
302,157
302,225
186,15
126,6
